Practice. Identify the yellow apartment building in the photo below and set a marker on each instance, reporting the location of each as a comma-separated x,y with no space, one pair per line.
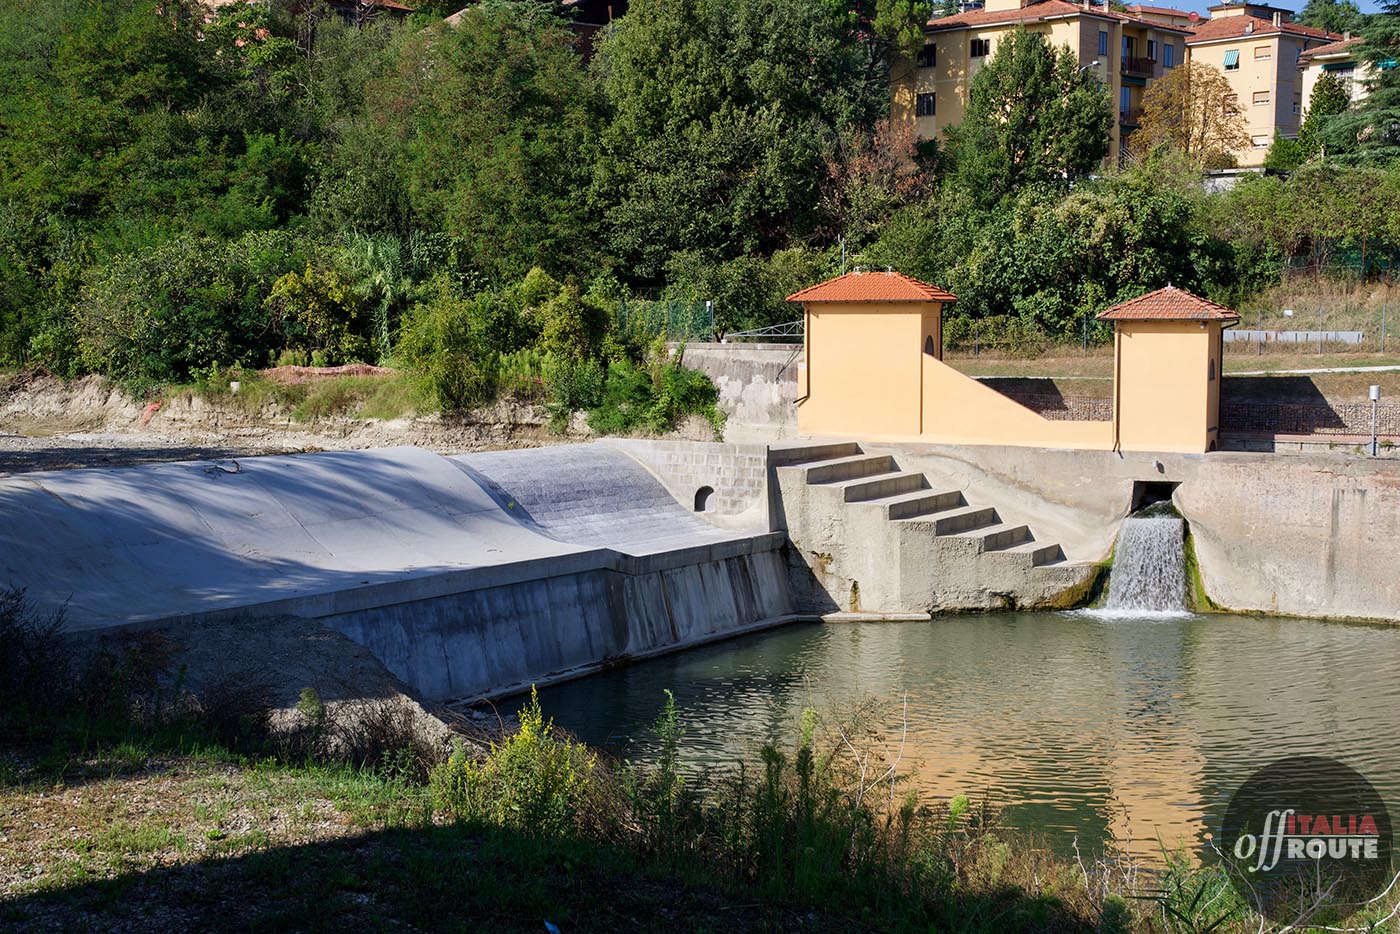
1339,60
1259,49
1125,52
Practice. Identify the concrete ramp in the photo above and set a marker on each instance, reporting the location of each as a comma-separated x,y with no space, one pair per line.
464,575
589,494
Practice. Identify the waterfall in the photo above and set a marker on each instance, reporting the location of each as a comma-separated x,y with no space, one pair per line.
1149,567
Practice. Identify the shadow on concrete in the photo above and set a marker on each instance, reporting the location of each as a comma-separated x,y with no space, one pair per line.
76,456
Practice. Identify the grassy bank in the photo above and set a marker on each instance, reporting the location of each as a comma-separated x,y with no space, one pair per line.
126,804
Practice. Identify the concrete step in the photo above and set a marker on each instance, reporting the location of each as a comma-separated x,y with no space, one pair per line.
882,485
1041,554
964,519
1002,536
792,455
922,502
849,468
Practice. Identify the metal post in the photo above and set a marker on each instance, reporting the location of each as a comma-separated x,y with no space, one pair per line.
1383,308
1261,330
1086,332
1375,404
1319,327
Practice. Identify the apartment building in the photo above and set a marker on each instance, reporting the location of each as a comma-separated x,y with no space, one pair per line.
1125,52
1338,59
1259,49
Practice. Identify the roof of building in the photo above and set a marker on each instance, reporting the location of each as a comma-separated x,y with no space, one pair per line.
873,286
1138,9
1045,9
1237,27
1169,304
1340,47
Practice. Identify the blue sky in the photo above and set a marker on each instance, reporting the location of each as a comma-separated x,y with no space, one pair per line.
1200,6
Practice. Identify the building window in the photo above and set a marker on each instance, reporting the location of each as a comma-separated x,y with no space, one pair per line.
1125,100
1297,104
1263,53
1169,55
1129,47
1210,371
1232,60
923,105
1260,142
981,48
1152,50
1103,42
1261,98
928,56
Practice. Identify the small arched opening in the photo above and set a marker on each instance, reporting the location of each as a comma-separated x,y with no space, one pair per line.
703,497
928,345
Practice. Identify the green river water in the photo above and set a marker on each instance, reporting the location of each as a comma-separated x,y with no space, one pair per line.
1082,726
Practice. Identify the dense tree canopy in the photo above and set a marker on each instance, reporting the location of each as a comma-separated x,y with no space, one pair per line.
1370,132
182,192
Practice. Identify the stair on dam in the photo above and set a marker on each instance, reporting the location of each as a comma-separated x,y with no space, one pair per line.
871,536
875,481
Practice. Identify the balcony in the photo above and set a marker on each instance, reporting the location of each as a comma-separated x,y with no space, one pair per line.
1131,118
1141,67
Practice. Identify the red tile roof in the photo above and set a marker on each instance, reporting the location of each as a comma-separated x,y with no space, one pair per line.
1169,304
873,287
1233,27
1331,48
1045,9
1137,9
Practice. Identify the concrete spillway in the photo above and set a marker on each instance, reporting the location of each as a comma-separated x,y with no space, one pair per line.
465,575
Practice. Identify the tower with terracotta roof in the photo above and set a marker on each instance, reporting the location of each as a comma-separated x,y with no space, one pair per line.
1167,351
865,336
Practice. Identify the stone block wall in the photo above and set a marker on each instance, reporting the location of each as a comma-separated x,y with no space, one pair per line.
737,475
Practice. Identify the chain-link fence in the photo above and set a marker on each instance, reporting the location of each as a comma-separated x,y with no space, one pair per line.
1316,327
642,321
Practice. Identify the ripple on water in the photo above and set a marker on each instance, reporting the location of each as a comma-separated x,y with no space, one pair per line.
1084,725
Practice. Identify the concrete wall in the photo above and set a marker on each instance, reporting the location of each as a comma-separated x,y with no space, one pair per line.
736,473
958,409
757,385
497,640
1306,535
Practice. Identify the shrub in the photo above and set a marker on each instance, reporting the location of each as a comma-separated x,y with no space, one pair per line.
446,338
34,669
535,780
316,310
155,316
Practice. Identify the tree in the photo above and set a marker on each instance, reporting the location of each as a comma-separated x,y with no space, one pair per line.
1033,116
1332,15
1370,132
1192,108
719,112
1329,97
870,175
1284,154
491,124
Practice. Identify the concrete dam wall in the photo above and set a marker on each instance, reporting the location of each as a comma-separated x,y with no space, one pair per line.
466,575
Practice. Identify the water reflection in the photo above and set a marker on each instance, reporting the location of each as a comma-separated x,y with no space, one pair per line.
1081,726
